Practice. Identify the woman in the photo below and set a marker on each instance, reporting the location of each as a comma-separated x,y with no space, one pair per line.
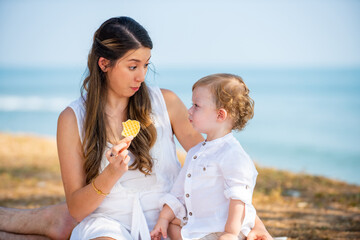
101,193
113,184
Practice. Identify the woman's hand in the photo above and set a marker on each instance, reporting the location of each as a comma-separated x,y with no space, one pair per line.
118,156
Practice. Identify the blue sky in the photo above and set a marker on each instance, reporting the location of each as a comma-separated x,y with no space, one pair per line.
306,33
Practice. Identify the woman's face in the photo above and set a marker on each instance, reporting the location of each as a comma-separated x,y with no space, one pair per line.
125,77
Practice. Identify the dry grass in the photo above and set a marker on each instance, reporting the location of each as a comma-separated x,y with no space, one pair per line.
29,172
301,206
295,205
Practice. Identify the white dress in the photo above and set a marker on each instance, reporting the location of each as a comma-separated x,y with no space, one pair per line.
132,207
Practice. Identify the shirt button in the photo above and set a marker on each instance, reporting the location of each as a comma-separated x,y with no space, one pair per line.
189,175
204,143
195,157
247,187
204,168
190,213
187,195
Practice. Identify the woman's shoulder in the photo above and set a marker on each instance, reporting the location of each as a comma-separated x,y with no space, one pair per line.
67,118
78,104
166,96
170,98
167,92
73,115
67,115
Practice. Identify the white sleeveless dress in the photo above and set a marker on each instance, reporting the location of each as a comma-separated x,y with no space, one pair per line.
131,209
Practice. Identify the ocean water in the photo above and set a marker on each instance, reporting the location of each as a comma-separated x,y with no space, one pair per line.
305,120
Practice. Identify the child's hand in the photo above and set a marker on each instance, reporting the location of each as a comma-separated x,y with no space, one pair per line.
160,229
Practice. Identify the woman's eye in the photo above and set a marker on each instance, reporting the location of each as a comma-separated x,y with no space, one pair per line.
132,67
146,65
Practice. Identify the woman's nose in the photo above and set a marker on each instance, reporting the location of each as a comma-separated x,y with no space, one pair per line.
141,75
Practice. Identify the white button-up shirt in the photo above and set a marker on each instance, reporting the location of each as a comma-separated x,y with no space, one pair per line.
214,172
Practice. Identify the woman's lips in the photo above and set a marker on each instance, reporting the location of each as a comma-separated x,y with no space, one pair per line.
135,88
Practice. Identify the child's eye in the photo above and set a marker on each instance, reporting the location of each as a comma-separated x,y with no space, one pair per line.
195,105
132,67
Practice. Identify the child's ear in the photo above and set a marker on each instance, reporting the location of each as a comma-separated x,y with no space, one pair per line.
222,114
103,64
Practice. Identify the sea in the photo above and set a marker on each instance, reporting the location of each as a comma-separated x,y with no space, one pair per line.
306,120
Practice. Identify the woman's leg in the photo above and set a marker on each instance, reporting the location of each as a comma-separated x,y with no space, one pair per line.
103,238
53,221
13,236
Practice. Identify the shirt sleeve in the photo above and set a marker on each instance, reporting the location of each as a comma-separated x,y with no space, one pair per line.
176,206
239,176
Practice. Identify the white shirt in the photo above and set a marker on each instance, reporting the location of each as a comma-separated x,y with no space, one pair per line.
213,172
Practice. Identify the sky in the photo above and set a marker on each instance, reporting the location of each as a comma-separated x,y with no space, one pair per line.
254,34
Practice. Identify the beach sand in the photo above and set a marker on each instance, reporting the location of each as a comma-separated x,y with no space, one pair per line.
298,206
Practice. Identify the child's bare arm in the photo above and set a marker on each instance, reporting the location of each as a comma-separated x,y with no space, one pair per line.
176,221
236,216
160,229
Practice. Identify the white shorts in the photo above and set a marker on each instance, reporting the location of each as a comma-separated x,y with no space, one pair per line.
100,227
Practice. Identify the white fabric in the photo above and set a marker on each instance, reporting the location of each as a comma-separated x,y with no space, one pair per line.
213,172
133,201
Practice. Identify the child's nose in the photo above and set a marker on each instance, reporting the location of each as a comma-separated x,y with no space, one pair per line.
190,110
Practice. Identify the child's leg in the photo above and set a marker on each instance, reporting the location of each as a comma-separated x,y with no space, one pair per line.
212,236
174,231
217,235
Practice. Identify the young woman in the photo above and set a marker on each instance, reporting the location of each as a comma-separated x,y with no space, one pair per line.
113,184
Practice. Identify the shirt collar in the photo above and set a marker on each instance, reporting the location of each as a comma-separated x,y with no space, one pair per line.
219,140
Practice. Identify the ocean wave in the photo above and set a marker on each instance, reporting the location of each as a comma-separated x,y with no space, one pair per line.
33,103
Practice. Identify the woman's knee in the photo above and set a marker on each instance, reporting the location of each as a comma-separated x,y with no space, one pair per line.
103,238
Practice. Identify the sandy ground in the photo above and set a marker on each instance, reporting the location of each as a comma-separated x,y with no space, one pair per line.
298,206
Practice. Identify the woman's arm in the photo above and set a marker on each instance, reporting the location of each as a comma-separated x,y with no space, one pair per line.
81,198
180,123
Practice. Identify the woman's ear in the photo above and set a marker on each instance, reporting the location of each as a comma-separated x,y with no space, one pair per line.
103,64
222,114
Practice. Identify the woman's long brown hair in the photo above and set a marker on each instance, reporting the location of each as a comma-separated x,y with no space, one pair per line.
112,40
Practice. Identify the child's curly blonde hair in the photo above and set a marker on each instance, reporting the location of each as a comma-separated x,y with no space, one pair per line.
230,93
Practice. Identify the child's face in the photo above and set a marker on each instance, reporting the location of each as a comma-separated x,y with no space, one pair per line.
203,113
